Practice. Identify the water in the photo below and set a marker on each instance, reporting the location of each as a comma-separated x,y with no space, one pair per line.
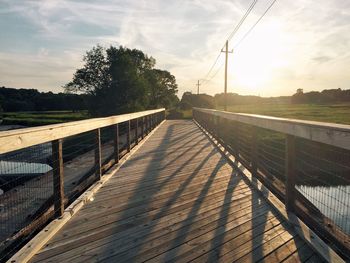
13,168
333,202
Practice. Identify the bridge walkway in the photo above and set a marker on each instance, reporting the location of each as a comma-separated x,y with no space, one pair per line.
177,199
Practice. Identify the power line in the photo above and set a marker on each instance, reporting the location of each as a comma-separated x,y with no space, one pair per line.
230,37
257,22
242,20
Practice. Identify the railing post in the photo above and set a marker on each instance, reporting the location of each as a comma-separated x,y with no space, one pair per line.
58,181
236,142
290,173
254,153
136,132
116,143
152,122
128,144
98,157
217,129
143,127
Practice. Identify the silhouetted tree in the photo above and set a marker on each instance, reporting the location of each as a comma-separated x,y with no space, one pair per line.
120,80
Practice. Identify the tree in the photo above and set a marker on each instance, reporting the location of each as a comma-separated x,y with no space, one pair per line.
120,80
163,89
191,100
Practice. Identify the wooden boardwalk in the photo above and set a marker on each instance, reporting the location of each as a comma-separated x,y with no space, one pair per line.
176,199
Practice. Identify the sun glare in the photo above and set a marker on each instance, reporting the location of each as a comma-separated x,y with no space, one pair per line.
256,58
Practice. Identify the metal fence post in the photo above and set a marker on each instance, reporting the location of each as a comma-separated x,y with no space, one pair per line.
290,173
116,143
98,157
58,181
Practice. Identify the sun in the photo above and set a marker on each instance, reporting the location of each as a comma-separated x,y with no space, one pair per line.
254,61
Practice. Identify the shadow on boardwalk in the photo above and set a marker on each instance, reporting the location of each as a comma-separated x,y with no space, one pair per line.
176,200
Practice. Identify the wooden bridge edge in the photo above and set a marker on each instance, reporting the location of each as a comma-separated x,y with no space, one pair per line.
39,240
299,226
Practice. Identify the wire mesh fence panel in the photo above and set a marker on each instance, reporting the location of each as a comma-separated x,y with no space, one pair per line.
26,186
133,132
123,137
271,157
323,177
243,135
107,145
78,164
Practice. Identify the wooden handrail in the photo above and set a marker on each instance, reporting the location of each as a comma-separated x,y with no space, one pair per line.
329,133
22,138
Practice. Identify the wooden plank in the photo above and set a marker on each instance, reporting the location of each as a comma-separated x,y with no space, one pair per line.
22,138
242,245
190,247
143,212
170,221
284,251
149,233
329,133
301,255
167,247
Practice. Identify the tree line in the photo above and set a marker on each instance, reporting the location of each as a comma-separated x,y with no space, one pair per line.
14,100
325,96
113,80
190,100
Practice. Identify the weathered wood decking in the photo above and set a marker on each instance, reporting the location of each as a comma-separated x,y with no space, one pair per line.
176,199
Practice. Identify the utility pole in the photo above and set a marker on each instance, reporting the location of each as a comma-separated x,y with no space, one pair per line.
226,59
198,87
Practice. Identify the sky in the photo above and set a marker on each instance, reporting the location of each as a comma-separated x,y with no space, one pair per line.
298,44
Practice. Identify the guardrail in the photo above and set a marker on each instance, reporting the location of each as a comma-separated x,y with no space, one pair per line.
305,164
44,169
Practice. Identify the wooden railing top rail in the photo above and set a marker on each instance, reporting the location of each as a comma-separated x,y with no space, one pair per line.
22,138
329,133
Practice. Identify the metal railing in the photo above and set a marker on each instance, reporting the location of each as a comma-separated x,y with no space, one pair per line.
305,164
44,169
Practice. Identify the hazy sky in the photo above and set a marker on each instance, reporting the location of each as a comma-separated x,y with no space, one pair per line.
299,44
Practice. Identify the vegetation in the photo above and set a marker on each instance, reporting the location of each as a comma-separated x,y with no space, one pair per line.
13,100
325,96
336,113
42,118
336,110
190,100
120,80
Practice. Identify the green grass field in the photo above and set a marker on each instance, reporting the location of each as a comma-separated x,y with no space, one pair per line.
42,118
336,113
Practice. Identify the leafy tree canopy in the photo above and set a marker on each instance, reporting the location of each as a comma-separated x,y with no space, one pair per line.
120,80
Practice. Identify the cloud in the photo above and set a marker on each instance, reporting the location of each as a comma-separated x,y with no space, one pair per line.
46,39
322,59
